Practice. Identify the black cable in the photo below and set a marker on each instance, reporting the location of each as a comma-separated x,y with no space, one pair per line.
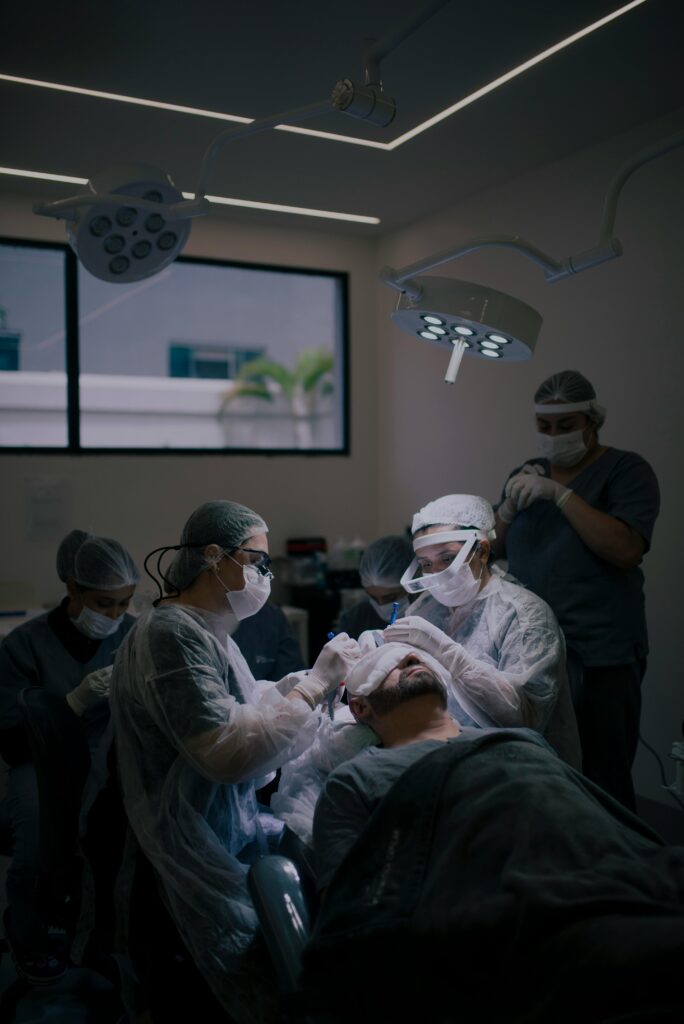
662,772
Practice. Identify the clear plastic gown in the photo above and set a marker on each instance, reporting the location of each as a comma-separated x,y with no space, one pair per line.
194,732
517,672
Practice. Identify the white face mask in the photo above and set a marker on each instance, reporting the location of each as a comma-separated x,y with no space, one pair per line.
253,596
454,585
457,588
385,611
563,449
95,625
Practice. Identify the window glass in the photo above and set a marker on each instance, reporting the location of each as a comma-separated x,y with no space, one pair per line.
207,355
33,383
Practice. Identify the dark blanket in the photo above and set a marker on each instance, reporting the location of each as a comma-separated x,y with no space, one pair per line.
500,885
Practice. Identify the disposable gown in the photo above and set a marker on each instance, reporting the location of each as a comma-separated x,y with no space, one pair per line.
517,676
194,731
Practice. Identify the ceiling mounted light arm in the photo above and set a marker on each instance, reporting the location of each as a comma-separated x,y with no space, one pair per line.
367,101
403,280
626,171
379,48
67,209
241,131
608,247
470,319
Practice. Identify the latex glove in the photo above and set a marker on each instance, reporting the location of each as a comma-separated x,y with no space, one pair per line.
329,670
524,489
508,509
92,688
418,632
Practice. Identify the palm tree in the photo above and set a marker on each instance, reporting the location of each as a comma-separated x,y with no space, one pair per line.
301,387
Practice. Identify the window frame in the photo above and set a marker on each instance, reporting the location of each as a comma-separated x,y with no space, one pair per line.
72,363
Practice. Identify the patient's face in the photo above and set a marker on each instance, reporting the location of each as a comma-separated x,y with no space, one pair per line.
411,678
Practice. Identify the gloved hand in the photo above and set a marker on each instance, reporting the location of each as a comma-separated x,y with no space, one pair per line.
329,670
419,633
508,509
524,489
90,689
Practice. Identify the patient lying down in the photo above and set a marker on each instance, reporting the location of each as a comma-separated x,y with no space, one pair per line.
478,877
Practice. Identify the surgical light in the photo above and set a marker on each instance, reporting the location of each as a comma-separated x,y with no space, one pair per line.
505,328
473,308
142,202
116,216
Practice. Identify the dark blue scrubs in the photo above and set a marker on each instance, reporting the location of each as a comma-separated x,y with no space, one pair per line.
599,606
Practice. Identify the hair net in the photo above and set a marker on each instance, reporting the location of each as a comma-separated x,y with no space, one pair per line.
98,563
571,386
216,522
369,671
458,510
66,554
385,560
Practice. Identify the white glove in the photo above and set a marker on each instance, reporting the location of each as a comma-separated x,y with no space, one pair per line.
92,688
508,509
523,489
329,670
418,632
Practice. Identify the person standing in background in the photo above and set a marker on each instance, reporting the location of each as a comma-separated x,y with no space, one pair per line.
575,524
382,565
69,652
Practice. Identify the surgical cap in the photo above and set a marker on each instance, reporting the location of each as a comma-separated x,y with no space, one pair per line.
216,522
66,554
461,510
369,671
571,386
98,563
385,561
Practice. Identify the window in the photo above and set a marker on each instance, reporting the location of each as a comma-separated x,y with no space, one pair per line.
203,356
33,380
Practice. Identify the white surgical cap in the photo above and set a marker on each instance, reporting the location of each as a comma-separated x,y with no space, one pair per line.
216,522
370,670
461,510
385,561
98,563
571,389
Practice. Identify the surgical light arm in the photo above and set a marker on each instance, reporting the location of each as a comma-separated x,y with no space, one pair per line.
607,248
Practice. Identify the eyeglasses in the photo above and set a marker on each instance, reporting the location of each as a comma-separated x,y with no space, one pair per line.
262,563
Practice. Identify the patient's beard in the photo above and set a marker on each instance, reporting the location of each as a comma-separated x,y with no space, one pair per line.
409,685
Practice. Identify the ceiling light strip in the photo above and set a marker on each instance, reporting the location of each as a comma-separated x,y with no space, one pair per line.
135,100
249,204
43,176
332,136
302,211
513,73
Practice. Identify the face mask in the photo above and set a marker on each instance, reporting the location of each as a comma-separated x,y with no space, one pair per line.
252,597
385,611
458,588
563,449
95,625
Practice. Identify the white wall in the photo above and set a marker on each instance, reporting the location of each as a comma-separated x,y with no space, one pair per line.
144,500
620,324
414,437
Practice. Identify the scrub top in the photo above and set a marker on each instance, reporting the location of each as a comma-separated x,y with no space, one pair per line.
599,606
360,617
49,651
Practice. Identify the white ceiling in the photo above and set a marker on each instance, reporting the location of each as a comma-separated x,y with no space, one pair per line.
267,56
